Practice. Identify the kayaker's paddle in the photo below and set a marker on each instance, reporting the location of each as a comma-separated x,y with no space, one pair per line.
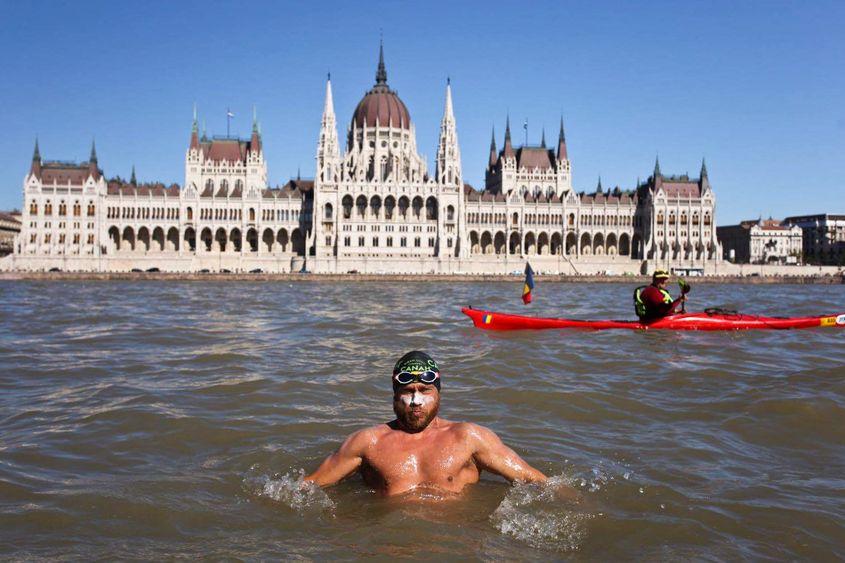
685,288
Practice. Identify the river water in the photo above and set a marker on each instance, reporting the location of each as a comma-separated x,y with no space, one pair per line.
173,419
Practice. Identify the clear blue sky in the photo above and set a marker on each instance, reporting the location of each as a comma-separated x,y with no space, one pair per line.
755,87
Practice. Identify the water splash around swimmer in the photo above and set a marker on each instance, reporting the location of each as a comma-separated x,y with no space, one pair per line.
288,489
535,514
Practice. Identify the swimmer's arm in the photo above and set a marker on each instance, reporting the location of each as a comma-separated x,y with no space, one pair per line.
344,462
494,456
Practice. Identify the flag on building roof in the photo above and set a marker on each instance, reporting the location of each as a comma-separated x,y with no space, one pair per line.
528,285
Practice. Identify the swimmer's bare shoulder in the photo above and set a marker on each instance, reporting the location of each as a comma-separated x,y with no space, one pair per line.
492,454
348,458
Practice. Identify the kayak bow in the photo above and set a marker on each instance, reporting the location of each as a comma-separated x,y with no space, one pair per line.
490,320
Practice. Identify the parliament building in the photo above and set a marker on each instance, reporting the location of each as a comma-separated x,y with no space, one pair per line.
373,206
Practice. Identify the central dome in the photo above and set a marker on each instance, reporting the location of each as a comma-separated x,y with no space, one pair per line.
381,104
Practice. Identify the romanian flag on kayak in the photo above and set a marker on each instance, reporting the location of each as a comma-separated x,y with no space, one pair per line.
528,285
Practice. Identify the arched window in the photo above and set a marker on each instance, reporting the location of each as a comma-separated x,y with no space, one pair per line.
224,187
48,208
77,209
347,206
190,214
209,185
91,209
450,213
660,218
33,208
383,168
62,209
329,212
251,213
239,185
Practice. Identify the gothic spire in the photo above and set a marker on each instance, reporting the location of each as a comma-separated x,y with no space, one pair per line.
561,143
381,72
508,149
254,119
132,179
656,166
543,140
36,161
493,153
448,153
703,169
93,157
447,111
195,142
598,187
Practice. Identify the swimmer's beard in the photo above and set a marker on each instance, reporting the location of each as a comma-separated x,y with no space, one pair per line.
410,423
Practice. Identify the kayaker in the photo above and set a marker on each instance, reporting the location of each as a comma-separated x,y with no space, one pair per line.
652,302
418,449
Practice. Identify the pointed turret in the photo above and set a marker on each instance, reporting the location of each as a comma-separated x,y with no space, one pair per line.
448,154
704,180
561,143
36,161
255,141
132,179
195,141
328,152
447,110
508,151
204,137
493,154
93,169
543,139
598,187
381,72
656,167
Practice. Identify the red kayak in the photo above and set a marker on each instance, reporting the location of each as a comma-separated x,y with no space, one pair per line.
708,320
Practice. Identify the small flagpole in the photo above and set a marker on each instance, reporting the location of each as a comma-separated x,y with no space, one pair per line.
525,126
228,118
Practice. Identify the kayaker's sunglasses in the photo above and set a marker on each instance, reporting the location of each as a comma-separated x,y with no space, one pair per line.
405,377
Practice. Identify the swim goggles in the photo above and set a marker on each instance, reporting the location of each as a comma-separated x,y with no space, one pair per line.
405,377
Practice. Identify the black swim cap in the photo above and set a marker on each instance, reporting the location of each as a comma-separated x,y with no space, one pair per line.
415,362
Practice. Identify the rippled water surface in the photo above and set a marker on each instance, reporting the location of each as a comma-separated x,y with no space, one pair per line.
174,419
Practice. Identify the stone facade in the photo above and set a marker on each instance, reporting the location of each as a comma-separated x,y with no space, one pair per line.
761,242
10,226
824,237
373,207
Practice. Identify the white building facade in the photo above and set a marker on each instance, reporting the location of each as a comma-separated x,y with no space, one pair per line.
372,207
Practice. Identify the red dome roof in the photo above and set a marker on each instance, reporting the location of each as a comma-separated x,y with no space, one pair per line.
382,104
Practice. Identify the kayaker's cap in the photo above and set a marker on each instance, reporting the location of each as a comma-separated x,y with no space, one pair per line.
660,274
416,366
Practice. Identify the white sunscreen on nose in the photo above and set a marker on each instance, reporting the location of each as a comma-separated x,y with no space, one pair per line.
415,399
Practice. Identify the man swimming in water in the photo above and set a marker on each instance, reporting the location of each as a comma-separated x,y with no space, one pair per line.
420,449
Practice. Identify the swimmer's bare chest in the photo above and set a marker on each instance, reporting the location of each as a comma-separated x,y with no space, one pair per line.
398,462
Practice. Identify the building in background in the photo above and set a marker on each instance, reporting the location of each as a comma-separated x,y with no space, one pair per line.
10,226
824,238
371,208
761,241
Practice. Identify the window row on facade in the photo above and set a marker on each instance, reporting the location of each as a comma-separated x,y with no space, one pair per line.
157,239
62,208
545,244
372,208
